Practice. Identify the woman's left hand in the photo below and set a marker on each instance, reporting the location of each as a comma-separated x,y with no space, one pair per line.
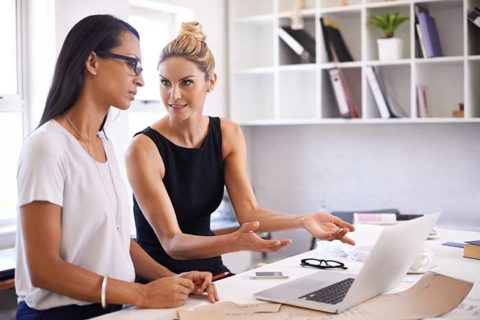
325,226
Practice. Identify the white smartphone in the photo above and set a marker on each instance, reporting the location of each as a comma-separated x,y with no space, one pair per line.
269,275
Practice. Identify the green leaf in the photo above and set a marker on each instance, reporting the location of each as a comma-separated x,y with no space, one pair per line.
388,23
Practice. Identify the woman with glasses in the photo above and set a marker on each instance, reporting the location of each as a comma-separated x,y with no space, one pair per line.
75,258
178,168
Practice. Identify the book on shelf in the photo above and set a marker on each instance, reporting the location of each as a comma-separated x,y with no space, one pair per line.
471,249
326,41
421,42
474,17
419,53
394,106
428,32
352,106
345,102
377,93
300,42
422,103
385,100
337,50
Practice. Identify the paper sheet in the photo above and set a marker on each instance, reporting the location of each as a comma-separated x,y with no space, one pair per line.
433,295
469,309
232,311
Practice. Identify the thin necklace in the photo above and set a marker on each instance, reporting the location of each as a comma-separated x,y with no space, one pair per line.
86,141
117,221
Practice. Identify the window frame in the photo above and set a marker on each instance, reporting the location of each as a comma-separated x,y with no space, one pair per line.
16,103
180,14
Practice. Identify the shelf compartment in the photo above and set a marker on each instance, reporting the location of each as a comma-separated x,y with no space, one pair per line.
473,108
297,94
349,25
286,54
396,82
374,33
253,46
444,83
473,31
353,77
252,97
246,8
449,21
289,5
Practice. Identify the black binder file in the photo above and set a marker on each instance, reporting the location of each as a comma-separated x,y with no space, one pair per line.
337,50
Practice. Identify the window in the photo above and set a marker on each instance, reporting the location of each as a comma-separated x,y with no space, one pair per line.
157,23
12,113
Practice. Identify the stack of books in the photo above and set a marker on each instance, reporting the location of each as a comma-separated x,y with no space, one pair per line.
427,33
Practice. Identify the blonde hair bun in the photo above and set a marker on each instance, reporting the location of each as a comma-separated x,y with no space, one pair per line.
192,29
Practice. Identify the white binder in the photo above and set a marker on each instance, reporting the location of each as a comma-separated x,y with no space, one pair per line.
340,93
377,93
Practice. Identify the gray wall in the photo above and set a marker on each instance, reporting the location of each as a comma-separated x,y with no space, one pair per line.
417,168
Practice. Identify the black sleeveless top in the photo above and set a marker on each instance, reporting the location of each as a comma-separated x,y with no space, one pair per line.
194,179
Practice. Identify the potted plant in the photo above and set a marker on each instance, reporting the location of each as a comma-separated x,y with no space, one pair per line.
390,47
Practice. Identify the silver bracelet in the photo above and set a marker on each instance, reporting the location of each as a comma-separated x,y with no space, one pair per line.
103,294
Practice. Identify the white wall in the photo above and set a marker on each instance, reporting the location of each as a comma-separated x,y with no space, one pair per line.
417,168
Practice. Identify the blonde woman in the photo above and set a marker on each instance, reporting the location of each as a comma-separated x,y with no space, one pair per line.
179,165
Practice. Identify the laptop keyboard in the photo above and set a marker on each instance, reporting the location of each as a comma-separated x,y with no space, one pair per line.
331,294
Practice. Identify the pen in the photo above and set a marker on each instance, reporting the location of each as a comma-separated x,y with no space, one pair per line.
220,275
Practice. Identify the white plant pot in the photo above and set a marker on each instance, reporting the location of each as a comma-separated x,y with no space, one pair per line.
390,48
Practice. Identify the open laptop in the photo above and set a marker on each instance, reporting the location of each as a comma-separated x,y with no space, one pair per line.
388,262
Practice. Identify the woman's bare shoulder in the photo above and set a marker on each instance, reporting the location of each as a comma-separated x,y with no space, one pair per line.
230,129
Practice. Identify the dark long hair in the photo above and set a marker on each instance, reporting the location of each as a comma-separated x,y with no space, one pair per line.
93,33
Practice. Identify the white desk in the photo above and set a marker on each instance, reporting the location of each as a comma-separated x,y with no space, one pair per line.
240,288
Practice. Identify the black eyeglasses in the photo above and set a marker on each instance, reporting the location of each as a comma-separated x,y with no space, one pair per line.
322,264
134,63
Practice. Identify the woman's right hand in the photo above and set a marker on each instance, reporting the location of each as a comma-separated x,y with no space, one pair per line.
247,239
168,292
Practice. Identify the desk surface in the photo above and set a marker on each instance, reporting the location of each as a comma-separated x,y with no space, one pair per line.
240,288
7,264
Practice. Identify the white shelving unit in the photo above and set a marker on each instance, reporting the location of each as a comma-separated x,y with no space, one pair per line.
269,85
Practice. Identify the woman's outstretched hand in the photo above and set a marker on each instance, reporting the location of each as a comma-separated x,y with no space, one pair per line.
325,226
245,238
